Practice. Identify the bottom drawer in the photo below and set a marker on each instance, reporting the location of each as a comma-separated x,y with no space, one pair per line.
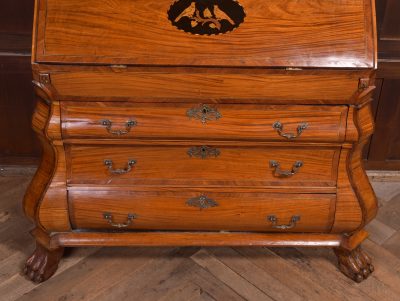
192,210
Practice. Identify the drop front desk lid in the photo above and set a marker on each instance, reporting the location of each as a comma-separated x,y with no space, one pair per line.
242,33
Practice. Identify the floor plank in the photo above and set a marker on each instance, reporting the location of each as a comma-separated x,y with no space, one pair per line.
152,280
317,268
288,273
93,275
393,244
389,214
235,281
374,288
255,275
379,232
17,285
213,286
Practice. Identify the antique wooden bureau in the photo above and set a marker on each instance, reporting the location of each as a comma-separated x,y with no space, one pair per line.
202,122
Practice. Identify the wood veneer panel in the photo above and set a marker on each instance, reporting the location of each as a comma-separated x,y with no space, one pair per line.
169,210
244,122
172,165
190,85
77,31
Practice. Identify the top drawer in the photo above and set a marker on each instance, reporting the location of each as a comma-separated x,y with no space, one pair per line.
204,121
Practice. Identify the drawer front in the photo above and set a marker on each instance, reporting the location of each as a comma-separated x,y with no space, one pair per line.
198,165
185,85
180,210
204,121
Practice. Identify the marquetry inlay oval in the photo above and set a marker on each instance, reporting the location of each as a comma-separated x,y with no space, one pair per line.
206,17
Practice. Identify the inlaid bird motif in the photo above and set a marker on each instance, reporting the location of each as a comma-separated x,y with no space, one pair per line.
211,15
221,15
187,12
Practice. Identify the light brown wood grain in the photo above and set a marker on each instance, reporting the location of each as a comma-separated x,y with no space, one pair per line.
171,120
53,208
348,216
172,165
368,202
43,173
170,211
139,32
196,85
194,238
46,198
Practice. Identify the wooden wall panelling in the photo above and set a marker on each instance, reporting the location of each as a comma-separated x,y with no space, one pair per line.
389,29
17,141
383,151
16,108
16,19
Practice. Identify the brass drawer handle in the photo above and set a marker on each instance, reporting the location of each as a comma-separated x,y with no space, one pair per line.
202,202
204,113
274,220
109,164
278,126
278,172
128,126
108,216
203,152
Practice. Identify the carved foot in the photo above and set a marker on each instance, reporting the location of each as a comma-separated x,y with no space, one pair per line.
354,264
42,264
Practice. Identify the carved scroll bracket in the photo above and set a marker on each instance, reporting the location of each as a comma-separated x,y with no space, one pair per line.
364,92
44,89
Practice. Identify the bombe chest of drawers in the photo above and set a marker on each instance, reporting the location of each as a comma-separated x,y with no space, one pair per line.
202,123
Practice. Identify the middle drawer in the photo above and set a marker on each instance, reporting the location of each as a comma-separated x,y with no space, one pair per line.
200,165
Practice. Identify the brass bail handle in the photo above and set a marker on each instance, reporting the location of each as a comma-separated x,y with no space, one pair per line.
278,172
278,126
293,222
109,217
109,163
108,125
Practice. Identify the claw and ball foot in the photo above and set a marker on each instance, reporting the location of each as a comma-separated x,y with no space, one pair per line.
355,264
43,263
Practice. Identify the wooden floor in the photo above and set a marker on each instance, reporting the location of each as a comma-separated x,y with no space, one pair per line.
198,273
